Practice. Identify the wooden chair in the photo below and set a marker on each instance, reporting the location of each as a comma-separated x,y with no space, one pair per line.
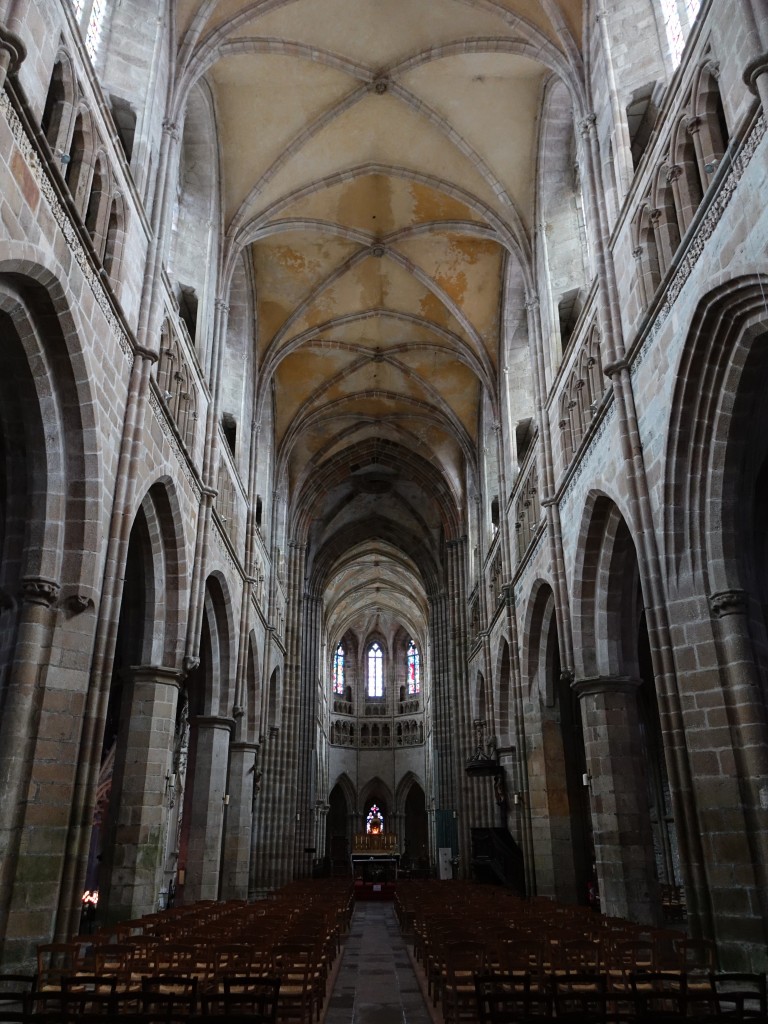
16,997
660,995
255,997
294,964
580,997
462,961
740,996
509,999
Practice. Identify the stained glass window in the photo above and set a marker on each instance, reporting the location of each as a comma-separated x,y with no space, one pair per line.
413,672
679,15
338,671
375,671
95,24
374,823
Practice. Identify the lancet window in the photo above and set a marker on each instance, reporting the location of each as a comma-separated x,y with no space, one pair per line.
375,671
337,671
413,670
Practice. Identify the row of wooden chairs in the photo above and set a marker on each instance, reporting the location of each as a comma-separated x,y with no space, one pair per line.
543,941
187,957
583,998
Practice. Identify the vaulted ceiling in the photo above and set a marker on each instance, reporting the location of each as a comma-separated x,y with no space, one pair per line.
378,167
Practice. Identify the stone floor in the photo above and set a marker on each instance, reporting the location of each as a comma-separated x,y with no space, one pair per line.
376,983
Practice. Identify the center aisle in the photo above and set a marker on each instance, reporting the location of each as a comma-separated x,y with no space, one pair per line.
376,983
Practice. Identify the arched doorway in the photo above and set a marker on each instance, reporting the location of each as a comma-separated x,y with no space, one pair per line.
337,840
415,844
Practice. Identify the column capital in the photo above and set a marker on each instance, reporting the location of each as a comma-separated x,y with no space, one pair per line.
728,602
39,590
214,722
587,124
753,71
157,674
611,370
244,746
171,129
14,47
591,685
146,353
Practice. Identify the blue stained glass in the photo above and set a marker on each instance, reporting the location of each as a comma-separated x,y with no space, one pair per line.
338,671
414,678
374,823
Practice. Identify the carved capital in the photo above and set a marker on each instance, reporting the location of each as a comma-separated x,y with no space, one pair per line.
673,172
190,664
146,353
532,302
604,684
612,369
753,71
587,124
693,124
171,129
39,590
14,47
728,602
222,306
637,252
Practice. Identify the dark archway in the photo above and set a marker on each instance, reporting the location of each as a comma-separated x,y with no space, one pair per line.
337,845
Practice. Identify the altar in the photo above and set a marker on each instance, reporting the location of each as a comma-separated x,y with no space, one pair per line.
375,863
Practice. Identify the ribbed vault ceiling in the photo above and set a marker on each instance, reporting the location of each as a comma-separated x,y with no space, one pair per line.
377,167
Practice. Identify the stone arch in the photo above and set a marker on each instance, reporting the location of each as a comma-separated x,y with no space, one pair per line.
605,545
665,221
79,167
539,629
556,761
274,706
712,135
219,687
479,699
504,688
166,570
687,182
404,785
56,120
560,202
375,790
252,695
97,208
713,402
646,253
52,423
114,238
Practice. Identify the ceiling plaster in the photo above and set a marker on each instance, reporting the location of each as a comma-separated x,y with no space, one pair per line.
377,166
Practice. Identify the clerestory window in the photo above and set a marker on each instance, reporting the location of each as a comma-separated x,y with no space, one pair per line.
413,672
375,671
679,16
338,671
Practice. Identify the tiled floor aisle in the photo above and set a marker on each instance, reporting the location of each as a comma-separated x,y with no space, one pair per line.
376,983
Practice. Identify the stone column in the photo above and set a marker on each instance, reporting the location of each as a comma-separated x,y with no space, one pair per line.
756,71
139,792
19,723
745,708
206,811
619,801
239,821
